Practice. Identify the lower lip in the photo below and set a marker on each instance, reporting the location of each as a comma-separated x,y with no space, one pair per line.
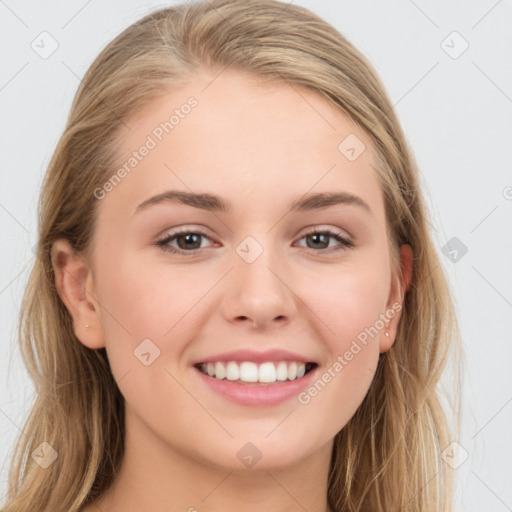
257,394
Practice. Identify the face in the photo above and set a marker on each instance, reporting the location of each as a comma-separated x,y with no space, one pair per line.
258,267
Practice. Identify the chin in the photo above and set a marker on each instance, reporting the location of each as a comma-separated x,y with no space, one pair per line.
253,453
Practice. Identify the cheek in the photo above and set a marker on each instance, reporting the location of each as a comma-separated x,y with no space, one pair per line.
348,304
150,314
143,300
142,312
348,301
144,317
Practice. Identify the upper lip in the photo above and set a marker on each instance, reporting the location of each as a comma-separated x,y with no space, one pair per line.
256,356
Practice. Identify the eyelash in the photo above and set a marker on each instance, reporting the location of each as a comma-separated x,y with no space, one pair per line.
345,243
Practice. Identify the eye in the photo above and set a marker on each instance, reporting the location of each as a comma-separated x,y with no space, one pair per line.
321,237
188,242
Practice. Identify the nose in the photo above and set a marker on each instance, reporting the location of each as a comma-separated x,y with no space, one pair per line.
259,293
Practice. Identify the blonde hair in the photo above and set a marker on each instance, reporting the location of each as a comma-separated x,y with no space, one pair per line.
388,456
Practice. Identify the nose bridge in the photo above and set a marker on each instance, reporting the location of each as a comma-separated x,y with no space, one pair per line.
257,289
258,265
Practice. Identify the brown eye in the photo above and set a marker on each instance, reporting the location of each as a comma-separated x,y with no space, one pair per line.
186,241
318,238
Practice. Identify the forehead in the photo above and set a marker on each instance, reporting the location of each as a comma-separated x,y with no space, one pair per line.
256,144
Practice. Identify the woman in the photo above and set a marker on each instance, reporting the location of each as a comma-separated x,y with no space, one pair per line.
287,360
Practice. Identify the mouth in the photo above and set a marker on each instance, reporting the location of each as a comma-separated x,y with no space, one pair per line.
256,374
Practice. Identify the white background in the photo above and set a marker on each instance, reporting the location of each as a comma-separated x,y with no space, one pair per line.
457,116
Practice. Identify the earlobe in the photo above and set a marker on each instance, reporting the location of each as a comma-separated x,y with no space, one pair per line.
75,286
395,304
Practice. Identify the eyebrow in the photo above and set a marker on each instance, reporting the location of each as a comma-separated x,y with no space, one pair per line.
213,203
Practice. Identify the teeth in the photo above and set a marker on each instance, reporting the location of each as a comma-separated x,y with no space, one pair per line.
220,371
267,372
248,371
281,371
292,371
232,371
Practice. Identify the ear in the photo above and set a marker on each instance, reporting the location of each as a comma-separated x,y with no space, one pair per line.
75,285
399,287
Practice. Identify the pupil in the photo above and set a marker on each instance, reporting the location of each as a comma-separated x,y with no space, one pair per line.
315,237
188,238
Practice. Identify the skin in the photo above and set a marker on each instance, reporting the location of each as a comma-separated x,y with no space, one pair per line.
258,147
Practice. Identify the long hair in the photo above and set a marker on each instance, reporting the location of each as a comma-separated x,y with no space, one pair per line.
388,457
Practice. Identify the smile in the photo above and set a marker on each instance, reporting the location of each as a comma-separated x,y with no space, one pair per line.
251,372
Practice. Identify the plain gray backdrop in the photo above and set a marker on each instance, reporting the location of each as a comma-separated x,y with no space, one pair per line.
448,69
